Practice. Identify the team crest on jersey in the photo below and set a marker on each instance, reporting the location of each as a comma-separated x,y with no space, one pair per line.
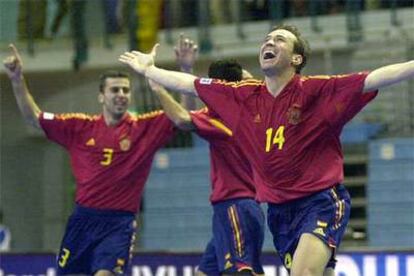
125,144
206,81
257,119
294,114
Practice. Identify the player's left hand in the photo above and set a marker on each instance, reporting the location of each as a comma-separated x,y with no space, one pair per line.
13,64
139,61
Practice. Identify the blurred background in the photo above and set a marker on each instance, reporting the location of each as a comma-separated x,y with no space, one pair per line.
66,44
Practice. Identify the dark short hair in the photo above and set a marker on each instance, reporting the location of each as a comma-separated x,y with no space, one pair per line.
225,69
300,46
111,74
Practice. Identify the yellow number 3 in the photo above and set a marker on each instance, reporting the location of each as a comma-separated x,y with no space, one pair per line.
64,257
108,154
278,137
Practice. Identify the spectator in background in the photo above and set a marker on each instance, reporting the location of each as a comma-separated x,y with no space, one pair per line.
31,21
111,12
149,14
61,11
256,9
224,12
78,27
5,235
77,11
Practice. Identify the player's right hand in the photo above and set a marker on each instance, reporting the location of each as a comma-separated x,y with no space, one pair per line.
13,64
139,61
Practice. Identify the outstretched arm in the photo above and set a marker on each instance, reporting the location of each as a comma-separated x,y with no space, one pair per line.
388,75
179,115
144,64
14,69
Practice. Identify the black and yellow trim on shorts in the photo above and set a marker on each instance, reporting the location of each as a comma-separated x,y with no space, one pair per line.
339,209
237,231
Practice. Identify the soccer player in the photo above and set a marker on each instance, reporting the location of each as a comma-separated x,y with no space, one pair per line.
238,220
289,126
111,156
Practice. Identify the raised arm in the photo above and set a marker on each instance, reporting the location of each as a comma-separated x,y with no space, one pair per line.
179,115
185,55
144,64
14,69
389,75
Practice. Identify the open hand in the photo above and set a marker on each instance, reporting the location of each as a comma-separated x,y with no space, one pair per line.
185,53
139,61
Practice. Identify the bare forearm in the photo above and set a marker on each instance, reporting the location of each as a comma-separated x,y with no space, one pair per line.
26,103
180,116
389,75
172,80
187,101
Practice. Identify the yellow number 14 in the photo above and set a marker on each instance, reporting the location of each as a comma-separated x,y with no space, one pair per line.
275,136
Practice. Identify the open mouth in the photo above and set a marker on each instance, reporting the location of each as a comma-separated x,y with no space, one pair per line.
268,55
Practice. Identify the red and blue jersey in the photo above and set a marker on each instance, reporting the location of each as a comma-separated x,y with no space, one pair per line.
110,163
231,174
291,140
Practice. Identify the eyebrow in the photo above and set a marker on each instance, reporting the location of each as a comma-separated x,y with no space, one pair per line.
276,36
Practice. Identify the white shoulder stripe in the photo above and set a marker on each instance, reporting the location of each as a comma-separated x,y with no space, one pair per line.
48,116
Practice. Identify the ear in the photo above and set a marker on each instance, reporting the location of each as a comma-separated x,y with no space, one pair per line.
297,59
101,98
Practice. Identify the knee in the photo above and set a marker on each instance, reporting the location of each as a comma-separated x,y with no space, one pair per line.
306,271
199,273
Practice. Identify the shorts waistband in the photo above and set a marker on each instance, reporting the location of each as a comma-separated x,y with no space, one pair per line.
81,210
233,200
336,187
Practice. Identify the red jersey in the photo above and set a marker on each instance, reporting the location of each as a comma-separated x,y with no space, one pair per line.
291,140
231,174
110,164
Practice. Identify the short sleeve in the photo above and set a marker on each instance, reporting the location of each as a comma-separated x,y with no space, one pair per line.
159,129
222,98
343,97
208,126
62,128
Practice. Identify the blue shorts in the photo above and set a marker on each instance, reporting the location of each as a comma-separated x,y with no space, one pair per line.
324,214
96,239
238,234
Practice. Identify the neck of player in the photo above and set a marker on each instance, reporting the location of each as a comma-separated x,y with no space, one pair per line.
276,82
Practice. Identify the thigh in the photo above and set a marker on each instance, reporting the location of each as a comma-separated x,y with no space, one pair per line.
314,263
76,248
113,249
322,217
103,273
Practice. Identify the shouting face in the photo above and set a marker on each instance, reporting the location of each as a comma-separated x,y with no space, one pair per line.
277,52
